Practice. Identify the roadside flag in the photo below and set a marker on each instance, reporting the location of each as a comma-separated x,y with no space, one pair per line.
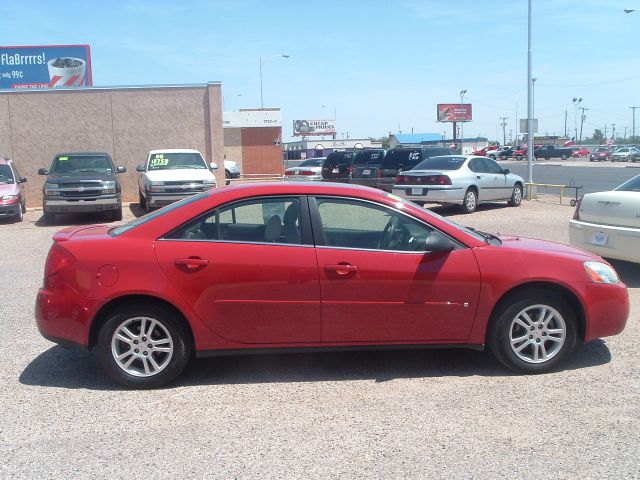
568,143
609,141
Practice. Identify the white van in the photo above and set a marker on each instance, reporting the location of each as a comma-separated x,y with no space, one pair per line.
172,174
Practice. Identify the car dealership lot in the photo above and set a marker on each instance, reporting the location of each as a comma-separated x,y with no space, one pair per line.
453,413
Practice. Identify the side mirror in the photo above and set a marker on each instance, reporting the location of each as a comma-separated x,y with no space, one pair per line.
437,242
43,171
213,166
140,168
22,180
121,169
506,171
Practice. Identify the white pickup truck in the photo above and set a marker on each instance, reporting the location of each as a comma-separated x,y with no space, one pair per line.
172,174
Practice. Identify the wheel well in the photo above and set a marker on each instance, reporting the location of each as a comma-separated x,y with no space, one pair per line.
109,308
565,293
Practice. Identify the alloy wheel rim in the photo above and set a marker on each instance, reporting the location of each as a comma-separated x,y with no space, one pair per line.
142,346
517,195
471,200
537,333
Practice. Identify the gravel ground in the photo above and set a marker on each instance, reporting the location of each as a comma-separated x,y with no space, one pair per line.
420,414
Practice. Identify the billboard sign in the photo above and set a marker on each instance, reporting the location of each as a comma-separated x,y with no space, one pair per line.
307,128
252,118
454,112
45,66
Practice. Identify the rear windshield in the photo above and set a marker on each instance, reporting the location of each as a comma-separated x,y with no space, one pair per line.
6,175
441,163
369,157
312,162
81,163
170,161
339,158
632,185
401,158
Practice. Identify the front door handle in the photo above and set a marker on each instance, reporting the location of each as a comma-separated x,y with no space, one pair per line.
192,263
341,269
478,177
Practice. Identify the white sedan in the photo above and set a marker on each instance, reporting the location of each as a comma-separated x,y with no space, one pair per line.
308,170
608,223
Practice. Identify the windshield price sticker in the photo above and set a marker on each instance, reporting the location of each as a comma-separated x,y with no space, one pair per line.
159,161
63,158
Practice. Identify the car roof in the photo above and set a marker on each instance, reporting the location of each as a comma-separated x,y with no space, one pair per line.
79,154
5,161
174,150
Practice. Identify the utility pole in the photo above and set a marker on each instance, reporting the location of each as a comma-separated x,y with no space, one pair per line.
582,121
565,124
625,134
613,132
503,124
605,132
633,127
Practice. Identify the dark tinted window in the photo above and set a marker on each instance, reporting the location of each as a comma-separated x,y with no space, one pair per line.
402,159
441,163
6,175
632,185
81,163
478,165
492,166
339,158
367,157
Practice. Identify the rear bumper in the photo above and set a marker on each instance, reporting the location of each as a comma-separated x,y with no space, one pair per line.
375,182
82,205
430,194
303,178
621,242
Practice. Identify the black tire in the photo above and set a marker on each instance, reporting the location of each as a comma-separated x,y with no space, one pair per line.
116,215
470,201
142,201
227,177
20,215
547,158
519,157
563,157
49,217
168,326
534,338
516,196
24,206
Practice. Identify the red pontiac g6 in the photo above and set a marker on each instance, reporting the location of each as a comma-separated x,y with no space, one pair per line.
293,266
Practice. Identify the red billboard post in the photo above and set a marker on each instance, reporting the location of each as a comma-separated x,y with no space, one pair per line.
454,112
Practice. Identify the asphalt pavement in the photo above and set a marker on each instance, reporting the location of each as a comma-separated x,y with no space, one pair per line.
412,414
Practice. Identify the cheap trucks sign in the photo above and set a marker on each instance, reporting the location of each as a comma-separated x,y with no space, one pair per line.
303,128
45,66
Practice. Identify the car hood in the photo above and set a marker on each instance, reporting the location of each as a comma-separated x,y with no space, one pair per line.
79,177
528,245
179,175
9,189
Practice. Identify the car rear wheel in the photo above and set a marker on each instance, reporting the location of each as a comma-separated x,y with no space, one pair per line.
533,332
227,177
518,157
143,346
516,196
470,201
563,157
116,215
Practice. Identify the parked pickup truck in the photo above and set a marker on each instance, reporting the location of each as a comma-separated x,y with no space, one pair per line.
172,174
81,182
551,151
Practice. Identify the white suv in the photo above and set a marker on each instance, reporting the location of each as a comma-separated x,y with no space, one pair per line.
172,174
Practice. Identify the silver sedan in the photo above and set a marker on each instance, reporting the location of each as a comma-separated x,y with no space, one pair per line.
465,180
308,170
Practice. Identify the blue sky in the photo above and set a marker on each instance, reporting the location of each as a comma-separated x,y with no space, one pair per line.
382,65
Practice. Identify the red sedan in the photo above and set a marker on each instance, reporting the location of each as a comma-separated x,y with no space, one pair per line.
296,266
580,153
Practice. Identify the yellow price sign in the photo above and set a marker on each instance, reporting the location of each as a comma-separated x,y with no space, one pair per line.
63,158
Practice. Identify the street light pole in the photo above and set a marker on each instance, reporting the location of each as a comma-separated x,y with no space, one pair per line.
462,92
576,102
529,99
262,62
633,126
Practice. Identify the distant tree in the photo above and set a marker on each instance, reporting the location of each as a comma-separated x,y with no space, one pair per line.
384,140
598,136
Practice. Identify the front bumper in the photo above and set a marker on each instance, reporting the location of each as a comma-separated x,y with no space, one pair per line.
81,205
620,243
10,210
157,200
431,194
607,307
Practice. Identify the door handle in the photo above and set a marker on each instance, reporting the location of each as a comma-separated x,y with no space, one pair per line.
341,269
478,177
192,263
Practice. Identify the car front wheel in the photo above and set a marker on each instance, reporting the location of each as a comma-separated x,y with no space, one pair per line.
516,196
143,346
470,201
534,332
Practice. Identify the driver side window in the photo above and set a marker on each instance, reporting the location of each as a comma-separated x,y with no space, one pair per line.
362,225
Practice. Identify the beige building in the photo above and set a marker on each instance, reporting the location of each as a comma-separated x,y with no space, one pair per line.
125,122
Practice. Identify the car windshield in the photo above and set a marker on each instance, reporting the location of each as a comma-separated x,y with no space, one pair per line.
441,163
114,232
6,175
632,185
81,163
622,150
313,162
339,158
601,150
175,160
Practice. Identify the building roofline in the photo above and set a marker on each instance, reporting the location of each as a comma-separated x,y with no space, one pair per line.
112,87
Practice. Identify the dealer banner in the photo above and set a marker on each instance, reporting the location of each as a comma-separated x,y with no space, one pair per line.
45,66
454,112
305,128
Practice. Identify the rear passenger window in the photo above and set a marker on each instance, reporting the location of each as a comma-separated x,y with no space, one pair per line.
264,220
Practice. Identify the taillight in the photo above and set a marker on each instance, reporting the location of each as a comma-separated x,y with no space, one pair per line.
288,172
350,171
58,259
305,172
576,213
401,180
443,180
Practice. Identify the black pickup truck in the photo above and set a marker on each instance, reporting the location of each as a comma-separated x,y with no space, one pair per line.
551,151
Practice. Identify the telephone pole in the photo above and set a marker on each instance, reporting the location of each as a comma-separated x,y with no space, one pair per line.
503,124
613,132
633,127
582,122
625,134
565,124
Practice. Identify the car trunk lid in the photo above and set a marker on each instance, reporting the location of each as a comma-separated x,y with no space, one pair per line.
611,208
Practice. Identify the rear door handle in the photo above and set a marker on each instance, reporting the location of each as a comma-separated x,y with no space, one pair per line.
343,269
192,263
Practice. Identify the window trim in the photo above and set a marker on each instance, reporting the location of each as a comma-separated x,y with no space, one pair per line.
321,242
306,238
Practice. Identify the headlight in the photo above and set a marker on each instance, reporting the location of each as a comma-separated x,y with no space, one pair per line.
51,189
601,272
209,183
109,186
